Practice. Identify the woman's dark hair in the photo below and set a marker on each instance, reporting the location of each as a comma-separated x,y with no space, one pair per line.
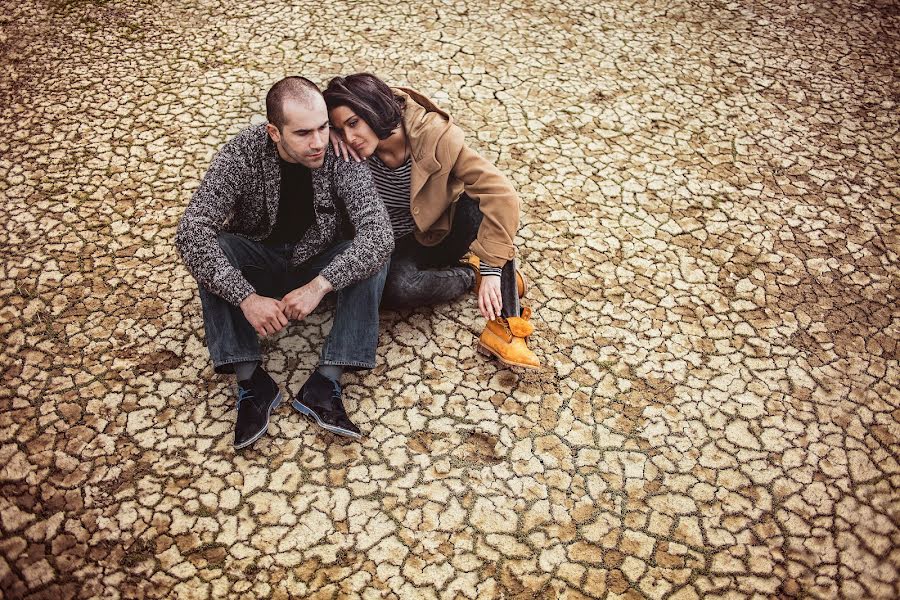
370,98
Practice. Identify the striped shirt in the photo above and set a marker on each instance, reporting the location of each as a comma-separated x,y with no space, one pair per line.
393,187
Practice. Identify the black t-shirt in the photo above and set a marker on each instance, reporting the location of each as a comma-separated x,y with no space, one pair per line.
295,208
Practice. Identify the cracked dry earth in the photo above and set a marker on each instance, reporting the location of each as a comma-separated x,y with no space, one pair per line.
711,200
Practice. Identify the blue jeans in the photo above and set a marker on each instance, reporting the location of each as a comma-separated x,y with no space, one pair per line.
423,275
230,338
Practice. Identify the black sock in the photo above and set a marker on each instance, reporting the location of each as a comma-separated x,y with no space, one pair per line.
244,370
332,372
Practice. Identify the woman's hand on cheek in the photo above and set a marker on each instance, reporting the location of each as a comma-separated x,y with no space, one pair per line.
341,148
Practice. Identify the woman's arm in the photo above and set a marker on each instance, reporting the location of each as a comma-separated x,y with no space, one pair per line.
496,198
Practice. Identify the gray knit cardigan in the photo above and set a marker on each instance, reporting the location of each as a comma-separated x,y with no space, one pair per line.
240,195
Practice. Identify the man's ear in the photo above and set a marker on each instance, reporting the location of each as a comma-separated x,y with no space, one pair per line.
273,133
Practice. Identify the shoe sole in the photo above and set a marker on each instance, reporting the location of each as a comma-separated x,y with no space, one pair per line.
306,412
525,284
275,404
488,352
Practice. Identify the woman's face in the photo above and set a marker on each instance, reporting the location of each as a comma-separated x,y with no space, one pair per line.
355,130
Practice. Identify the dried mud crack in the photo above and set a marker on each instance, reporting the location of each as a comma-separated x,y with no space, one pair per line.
711,196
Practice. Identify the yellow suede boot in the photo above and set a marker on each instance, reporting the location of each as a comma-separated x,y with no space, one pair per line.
473,261
506,338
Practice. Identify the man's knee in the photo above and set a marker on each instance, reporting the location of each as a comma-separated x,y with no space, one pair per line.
247,256
382,273
234,247
374,283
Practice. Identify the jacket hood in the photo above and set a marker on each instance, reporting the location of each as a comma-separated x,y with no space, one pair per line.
424,123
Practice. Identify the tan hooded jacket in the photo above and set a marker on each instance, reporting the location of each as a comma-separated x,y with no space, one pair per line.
443,167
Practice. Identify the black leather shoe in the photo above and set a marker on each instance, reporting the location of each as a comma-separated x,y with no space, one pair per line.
320,400
257,398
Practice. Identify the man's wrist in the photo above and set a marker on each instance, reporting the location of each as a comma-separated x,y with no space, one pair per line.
249,298
322,285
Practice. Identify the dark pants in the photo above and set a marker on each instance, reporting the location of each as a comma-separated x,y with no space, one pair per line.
424,275
230,338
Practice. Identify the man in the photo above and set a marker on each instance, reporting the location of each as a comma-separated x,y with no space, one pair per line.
265,224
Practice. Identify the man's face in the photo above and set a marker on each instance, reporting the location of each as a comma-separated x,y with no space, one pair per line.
304,136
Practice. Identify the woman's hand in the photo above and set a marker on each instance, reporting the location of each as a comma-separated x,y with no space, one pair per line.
341,148
490,300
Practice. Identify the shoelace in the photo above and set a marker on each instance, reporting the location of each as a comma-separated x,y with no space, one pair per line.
244,394
331,413
334,411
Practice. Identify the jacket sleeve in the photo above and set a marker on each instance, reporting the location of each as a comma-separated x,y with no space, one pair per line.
373,240
210,208
496,198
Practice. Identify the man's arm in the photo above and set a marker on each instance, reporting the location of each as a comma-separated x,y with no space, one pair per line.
209,209
374,239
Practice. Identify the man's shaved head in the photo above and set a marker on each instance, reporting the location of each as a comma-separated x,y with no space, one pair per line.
294,88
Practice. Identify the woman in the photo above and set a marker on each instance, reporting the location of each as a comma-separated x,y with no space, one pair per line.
444,199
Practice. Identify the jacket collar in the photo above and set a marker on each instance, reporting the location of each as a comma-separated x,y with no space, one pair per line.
424,124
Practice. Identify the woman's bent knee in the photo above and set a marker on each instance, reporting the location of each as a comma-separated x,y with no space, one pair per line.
412,288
